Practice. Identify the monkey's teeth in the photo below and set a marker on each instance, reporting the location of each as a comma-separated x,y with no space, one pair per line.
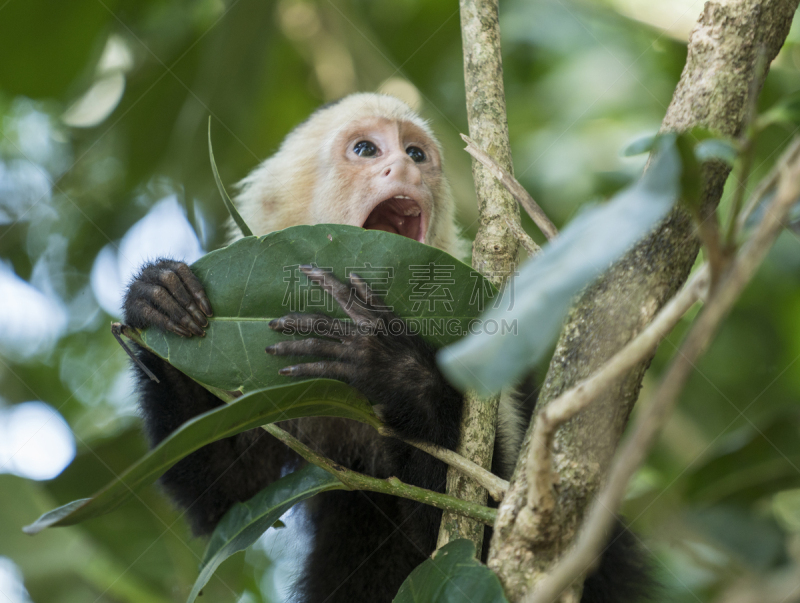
399,214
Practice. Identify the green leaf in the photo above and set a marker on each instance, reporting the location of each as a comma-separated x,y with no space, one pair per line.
749,465
786,508
255,280
519,329
716,148
641,145
244,523
320,397
243,227
453,575
787,110
691,176
753,538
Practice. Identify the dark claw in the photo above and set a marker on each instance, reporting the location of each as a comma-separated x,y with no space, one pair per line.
171,326
198,316
193,327
194,286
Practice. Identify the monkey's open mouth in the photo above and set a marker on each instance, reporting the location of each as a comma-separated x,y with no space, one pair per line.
400,215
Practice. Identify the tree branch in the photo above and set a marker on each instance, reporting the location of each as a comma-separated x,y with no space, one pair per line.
571,402
767,183
712,92
494,252
496,486
652,418
527,243
358,481
513,186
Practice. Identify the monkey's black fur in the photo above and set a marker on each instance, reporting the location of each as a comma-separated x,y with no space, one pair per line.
365,544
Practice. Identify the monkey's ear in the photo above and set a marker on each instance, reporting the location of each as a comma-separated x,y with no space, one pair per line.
246,232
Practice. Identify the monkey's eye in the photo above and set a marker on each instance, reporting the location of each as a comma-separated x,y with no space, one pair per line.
365,149
417,155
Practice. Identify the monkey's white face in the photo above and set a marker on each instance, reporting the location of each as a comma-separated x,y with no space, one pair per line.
383,175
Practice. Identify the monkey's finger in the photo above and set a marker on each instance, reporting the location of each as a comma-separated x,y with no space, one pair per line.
310,347
373,301
158,319
326,370
338,290
194,286
312,324
172,281
161,299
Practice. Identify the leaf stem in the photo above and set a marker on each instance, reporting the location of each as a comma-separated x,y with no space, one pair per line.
358,481
496,486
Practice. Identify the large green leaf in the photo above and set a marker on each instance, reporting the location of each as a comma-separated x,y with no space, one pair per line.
321,397
245,522
453,575
255,280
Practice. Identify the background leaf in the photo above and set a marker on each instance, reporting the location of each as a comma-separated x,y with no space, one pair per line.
453,575
643,144
749,465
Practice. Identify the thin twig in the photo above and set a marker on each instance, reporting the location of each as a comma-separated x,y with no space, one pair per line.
514,187
496,486
708,228
118,329
768,182
648,424
571,402
524,239
358,481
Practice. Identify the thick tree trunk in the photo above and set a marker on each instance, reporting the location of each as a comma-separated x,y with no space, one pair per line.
712,92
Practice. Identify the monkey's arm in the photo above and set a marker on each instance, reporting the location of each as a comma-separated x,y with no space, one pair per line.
206,483
396,372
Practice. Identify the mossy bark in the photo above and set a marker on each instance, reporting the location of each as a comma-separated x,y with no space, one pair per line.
713,91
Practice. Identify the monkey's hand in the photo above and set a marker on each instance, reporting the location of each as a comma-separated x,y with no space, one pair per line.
167,295
376,354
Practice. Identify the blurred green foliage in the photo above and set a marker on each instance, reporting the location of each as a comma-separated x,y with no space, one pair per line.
103,112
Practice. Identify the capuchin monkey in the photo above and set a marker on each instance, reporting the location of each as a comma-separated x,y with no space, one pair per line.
367,160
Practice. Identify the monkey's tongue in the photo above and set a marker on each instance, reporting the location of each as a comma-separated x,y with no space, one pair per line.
398,215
